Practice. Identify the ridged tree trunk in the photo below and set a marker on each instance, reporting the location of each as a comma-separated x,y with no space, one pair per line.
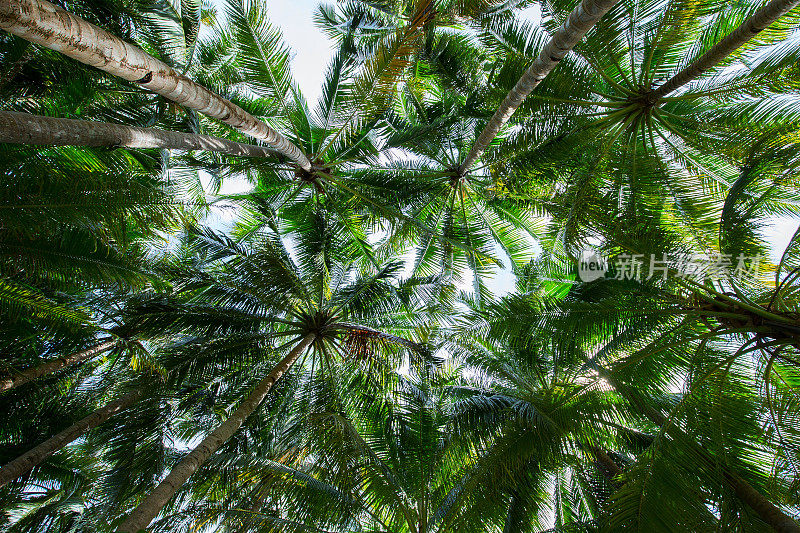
608,464
765,509
47,25
158,498
563,40
746,31
25,462
24,128
49,367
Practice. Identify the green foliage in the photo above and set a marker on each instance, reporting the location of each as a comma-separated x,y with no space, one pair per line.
432,399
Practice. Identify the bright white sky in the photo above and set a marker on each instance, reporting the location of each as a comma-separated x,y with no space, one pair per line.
312,49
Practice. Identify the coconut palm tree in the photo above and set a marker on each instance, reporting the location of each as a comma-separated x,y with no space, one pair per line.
66,241
71,220
747,30
498,231
580,21
559,445
94,46
612,118
388,459
680,460
315,297
646,339
52,366
74,220
39,447
28,460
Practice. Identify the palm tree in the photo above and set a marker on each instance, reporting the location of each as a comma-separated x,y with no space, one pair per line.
282,342
445,208
639,338
44,450
87,43
387,459
49,367
672,466
155,501
564,39
66,253
316,300
22,464
746,31
69,219
21,128
610,120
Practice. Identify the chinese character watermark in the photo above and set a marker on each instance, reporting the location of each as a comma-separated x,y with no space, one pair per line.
592,266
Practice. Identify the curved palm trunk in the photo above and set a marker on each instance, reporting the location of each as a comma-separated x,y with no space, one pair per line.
24,128
22,464
746,31
609,466
158,498
563,40
765,509
56,364
50,26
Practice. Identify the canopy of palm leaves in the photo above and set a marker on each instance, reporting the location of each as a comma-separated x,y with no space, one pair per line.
336,347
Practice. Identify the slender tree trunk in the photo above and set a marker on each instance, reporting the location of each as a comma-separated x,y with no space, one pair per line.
50,26
23,128
158,498
563,40
49,367
608,464
25,462
746,31
765,509
769,513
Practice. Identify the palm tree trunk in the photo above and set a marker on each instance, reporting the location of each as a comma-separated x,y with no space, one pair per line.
769,513
765,509
56,364
22,464
563,40
746,31
158,498
47,25
23,128
609,466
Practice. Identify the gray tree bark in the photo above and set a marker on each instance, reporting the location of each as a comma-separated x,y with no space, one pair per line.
25,462
24,128
158,498
47,25
49,367
564,39
746,31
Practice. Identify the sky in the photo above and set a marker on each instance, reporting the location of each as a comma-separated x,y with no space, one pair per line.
311,53
311,48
